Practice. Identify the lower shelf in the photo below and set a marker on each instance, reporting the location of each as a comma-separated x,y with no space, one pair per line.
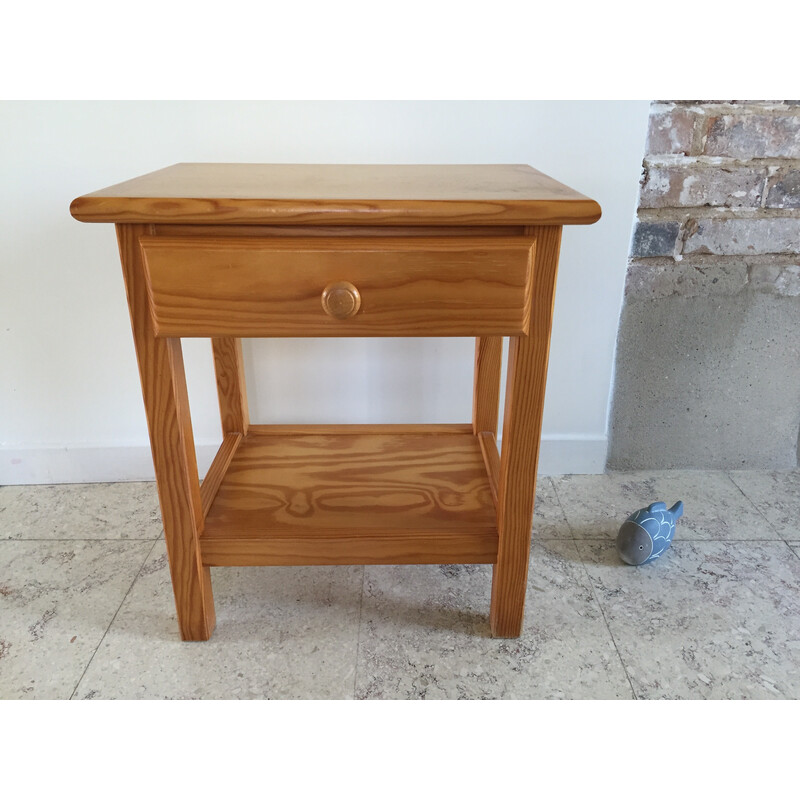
339,495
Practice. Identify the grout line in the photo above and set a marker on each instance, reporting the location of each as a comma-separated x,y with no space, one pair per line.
683,540
105,633
613,640
794,552
358,635
758,510
596,598
605,619
561,509
40,539
542,538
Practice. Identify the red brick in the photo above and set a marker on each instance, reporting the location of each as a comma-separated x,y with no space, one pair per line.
671,132
695,185
754,136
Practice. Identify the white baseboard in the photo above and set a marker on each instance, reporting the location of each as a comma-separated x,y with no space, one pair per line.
558,456
572,455
86,464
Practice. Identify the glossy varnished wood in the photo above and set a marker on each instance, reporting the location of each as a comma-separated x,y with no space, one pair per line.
231,385
167,408
319,194
375,481
407,286
216,472
305,231
230,251
353,498
353,430
486,389
522,425
491,460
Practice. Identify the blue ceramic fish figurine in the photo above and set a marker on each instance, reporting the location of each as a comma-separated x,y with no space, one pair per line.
645,535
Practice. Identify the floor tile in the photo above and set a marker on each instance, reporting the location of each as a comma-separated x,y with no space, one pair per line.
713,619
80,511
56,602
776,495
549,521
714,508
425,634
282,632
707,620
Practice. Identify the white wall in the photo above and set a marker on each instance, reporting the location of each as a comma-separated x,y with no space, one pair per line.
70,403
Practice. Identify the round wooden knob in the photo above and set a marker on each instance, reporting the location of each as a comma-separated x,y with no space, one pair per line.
341,300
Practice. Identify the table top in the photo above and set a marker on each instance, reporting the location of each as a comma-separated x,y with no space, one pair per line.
324,194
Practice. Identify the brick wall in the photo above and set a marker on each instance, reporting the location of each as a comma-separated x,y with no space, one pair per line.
719,200
708,356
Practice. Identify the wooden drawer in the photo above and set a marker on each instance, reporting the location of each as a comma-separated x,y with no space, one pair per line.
379,286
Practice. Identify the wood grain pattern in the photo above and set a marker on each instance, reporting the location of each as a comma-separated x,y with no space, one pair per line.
231,386
486,389
432,286
352,547
522,423
230,251
353,430
250,231
359,498
216,472
493,194
167,409
491,460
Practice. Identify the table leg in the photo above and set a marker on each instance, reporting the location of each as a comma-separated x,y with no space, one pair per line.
231,388
522,425
486,392
167,408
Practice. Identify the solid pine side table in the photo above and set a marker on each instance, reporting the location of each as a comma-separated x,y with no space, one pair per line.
229,251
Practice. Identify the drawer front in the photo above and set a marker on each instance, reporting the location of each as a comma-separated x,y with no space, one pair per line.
376,286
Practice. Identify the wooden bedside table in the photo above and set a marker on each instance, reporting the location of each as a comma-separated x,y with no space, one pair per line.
228,251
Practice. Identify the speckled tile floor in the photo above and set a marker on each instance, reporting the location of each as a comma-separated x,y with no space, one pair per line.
86,607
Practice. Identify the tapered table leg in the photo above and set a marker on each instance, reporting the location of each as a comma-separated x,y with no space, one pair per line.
167,407
522,425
